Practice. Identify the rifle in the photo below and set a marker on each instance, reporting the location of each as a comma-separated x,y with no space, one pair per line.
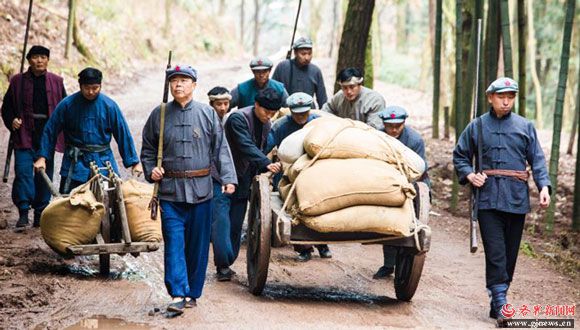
289,54
476,191
154,203
11,141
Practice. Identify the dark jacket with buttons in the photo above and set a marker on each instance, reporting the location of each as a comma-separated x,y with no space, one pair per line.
509,143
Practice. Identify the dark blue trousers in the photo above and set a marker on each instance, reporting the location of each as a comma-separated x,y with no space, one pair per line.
223,253
73,184
29,189
238,209
186,235
501,233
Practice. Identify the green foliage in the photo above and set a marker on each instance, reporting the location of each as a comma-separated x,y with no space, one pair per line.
527,249
400,69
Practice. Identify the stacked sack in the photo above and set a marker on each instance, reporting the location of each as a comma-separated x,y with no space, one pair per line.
359,180
76,219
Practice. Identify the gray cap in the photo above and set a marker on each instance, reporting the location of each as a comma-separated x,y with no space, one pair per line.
182,70
502,85
261,63
303,42
299,102
393,114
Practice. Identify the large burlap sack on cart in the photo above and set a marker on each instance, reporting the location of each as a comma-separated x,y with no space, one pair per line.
333,137
137,196
73,220
294,170
333,184
396,221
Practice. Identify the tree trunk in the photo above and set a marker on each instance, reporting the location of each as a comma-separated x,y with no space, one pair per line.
72,5
242,17
491,46
468,65
401,26
507,40
533,67
79,44
560,95
458,102
522,57
575,121
335,4
576,207
256,26
355,33
167,25
437,68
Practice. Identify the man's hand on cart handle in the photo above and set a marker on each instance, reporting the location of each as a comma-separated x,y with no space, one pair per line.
477,179
157,174
229,189
274,167
137,170
40,164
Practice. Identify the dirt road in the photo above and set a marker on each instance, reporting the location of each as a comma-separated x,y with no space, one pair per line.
40,290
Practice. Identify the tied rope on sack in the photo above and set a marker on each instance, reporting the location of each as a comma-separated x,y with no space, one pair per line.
401,167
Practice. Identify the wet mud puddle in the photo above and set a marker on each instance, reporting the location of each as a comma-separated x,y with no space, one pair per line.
102,322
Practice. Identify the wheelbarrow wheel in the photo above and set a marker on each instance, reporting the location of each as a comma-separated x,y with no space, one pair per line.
259,235
408,271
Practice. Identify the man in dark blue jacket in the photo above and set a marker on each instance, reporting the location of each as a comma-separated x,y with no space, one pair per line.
510,144
247,131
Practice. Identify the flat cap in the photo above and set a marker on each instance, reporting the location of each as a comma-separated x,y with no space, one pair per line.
302,42
90,76
269,98
393,114
502,85
261,63
299,102
37,50
182,70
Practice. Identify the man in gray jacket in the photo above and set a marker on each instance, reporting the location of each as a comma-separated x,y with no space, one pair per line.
355,101
193,136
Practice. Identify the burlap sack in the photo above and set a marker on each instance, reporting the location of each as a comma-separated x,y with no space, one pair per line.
73,220
365,218
354,139
295,169
137,196
334,184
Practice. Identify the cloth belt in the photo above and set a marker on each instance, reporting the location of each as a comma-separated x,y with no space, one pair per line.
187,174
74,152
520,175
39,116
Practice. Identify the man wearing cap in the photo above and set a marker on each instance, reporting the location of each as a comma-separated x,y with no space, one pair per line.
88,119
300,105
299,75
394,121
223,254
247,132
355,101
245,93
193,141
509,143
30,99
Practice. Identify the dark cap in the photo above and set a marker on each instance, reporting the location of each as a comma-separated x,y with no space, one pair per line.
269,99
38,50
90,76
182,70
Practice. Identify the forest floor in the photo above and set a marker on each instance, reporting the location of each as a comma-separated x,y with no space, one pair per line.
38,289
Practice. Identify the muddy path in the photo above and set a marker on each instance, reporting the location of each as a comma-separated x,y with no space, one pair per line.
40,290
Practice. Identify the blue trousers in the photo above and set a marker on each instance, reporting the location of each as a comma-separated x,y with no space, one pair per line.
186,234
223,253
29,189
238,209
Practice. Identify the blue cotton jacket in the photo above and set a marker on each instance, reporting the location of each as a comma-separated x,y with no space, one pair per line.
282,128
244,94
413,140
509,143
85,122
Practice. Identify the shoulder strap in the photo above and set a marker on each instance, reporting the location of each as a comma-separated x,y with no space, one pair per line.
161,131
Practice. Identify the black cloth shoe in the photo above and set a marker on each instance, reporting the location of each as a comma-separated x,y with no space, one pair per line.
324,252
36,222
492,312
225,274
384,272
177,307
190,303
304,256
22,219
